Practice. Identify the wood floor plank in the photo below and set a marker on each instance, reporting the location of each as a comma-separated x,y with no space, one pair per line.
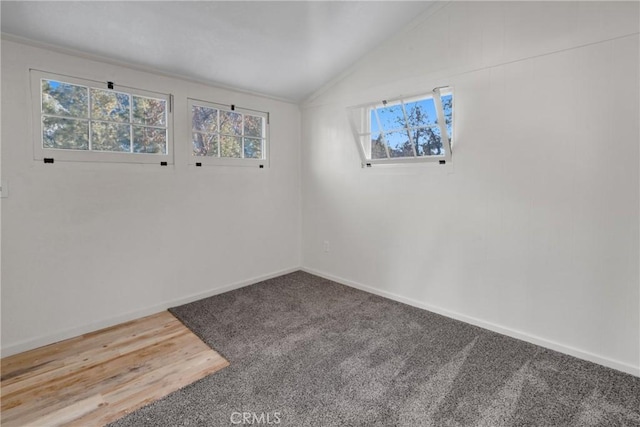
65,415
37,358
153,386
81,384
99,377
90,357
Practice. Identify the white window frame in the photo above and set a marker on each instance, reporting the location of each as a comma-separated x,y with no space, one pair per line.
360,116
227,161
59,154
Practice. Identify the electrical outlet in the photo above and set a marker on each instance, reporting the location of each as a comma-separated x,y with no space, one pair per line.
326,246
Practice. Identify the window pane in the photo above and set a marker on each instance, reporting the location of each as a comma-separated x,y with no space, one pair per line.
378,150
253,126
64,99
374,128
66,134
230,123
149,111
204,119
399,144
447,104
230,146
109,105
391,117
447,107
205,144
408,128
429,141
149,140
421,113
110,137
252,148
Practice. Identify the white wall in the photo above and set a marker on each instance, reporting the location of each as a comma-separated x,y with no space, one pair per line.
533,230
87,245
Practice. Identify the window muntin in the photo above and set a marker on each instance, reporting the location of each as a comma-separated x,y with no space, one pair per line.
227,135
77,120
405,130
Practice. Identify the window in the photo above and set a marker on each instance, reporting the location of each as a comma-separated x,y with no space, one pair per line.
84,120
415,129
226,135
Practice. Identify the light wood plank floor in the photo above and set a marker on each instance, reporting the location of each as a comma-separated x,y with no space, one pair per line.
94,379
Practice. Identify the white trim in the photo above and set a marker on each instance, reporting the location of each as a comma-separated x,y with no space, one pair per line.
227,161
362,128
445,138
39,152
571,351
40,341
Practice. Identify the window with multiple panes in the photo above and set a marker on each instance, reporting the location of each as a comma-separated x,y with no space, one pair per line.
404,130
85,120
228,135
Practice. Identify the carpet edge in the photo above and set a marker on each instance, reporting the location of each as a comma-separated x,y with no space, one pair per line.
513,333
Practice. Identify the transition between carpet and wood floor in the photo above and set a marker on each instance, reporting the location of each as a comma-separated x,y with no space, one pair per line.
306,351
97,378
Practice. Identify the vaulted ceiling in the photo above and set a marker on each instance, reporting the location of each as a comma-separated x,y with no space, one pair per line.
285,49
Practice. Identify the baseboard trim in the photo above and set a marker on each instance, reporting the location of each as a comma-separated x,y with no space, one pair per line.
30,344
571,351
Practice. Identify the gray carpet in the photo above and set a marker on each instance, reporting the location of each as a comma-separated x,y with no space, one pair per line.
306,351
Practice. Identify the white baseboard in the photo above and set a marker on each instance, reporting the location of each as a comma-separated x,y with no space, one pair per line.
571,351
111,321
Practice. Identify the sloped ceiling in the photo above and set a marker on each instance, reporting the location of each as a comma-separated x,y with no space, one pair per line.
285,49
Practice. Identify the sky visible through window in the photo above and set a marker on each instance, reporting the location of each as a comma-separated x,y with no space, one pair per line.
410,131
